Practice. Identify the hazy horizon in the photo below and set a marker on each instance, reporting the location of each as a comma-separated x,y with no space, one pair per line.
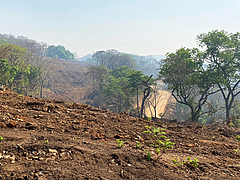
143,27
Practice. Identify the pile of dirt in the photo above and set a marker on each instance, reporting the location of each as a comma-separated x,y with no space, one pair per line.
49,139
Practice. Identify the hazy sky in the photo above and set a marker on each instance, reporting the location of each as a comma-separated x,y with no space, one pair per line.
141,27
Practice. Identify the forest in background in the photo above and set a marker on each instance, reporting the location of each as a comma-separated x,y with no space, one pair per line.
205,84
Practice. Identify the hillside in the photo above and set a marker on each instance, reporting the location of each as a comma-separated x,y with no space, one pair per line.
49,139
67,82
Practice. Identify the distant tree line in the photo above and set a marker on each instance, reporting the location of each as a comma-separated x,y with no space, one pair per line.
113,58
40,48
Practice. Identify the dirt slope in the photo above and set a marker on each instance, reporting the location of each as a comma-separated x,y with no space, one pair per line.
46,139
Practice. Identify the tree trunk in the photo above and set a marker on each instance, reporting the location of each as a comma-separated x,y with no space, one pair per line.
146,94
138,104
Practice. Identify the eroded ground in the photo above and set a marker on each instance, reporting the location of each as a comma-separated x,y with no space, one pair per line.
47,139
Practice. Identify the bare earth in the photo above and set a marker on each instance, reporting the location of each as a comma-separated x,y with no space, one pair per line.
47,139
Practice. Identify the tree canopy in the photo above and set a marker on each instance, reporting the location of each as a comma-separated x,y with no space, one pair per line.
16,72
59,52
222,55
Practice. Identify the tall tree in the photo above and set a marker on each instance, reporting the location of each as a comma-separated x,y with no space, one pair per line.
135,80
222,53
189,81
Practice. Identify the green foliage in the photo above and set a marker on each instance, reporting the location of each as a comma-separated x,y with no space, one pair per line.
193,76
193,162
120,72
177,162
237,137
2,41
149,155
155,132
188,79
138,145
113,59
115,89
15,71
119,143
59,52
1,138
46,141
223,57
237,151
116,93
158,139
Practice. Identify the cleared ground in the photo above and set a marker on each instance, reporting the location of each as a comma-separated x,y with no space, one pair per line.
48,139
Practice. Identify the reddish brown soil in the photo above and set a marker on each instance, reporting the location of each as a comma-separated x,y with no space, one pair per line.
46,139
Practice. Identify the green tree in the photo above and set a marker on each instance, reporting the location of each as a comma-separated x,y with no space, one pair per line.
122,71
135,81
222,54
15,70
189,81
59,52
2,41
117,91
7,72
115,96
99,76
113,59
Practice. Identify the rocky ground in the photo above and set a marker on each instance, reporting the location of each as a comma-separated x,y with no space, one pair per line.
48,139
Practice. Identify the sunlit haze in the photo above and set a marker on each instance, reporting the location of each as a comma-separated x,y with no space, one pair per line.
143,27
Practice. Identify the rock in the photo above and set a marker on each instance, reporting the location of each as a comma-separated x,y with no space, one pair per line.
31,126
2,125
12,124
53,152
12,158
63,154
